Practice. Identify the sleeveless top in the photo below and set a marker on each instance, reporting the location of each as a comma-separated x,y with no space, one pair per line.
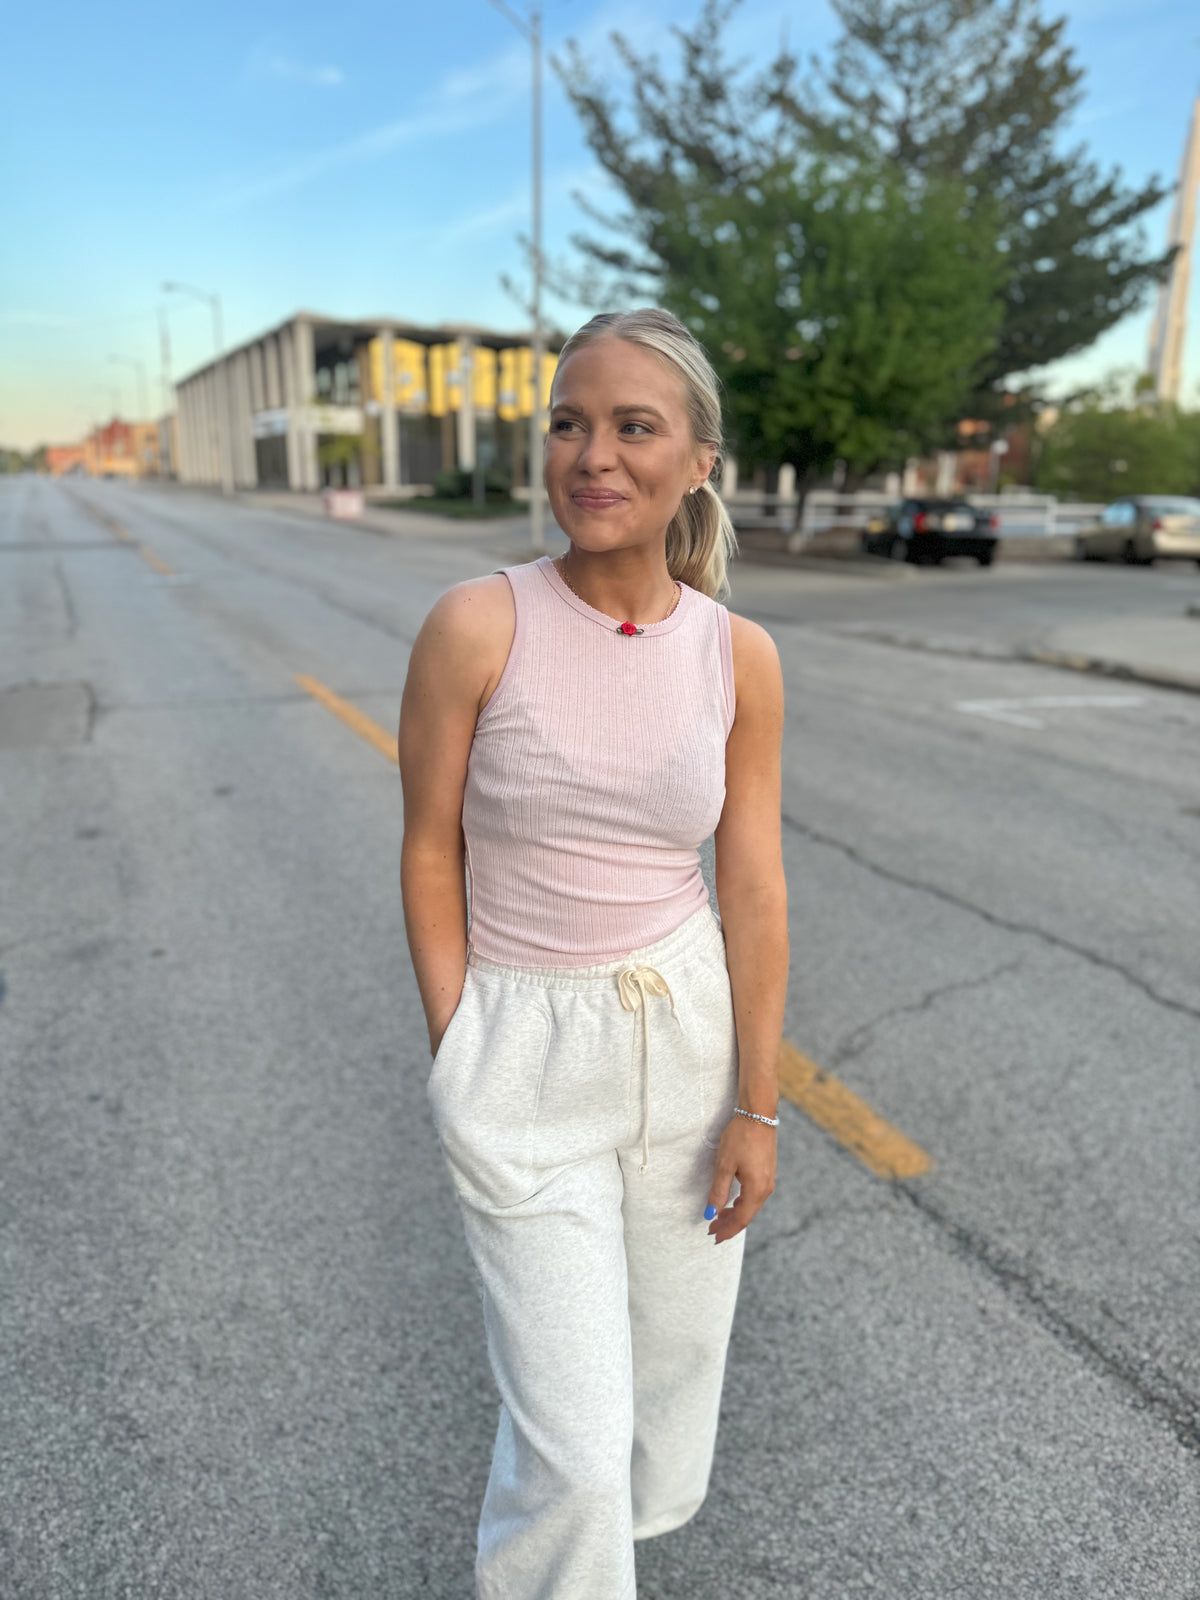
596,770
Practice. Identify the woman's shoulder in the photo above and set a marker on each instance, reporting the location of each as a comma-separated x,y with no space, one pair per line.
755,656
474,607
469,629
750,635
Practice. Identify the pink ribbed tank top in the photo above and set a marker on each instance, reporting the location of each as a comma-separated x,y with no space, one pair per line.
596,771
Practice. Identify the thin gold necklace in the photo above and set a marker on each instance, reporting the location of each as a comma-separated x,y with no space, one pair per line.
629,629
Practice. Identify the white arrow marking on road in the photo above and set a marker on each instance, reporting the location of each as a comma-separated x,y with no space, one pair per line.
1006,710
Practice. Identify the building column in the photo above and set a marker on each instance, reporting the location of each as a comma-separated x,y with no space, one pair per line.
258,388
245,465
389,437
304,366
182,434
286,367
276,394
466,404
212,443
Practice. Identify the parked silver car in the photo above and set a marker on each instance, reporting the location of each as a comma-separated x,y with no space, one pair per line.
1141,528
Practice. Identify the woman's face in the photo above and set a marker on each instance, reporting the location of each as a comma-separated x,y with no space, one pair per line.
620,454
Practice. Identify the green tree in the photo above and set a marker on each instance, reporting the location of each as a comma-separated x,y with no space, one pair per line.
845,311
974,93
1095,452
847,307
980,91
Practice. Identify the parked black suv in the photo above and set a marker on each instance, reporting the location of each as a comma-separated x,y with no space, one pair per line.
925,530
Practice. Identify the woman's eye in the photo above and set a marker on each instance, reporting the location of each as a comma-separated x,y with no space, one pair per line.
640,425
562,424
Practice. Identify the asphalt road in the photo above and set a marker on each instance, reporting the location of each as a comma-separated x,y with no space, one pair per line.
240,1352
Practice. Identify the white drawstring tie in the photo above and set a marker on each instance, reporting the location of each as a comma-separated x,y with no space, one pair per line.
635,985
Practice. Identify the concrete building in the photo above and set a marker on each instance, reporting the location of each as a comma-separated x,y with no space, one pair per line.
374,403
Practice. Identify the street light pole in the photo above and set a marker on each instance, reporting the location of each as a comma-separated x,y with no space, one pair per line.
532,30
224,421
164,356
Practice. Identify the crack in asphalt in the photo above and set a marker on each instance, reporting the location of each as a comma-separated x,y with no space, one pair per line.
806,1222
1155,1389
1010,924
68,599
853,1045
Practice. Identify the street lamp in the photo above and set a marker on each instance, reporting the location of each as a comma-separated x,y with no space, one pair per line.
532,30
140,368
224,442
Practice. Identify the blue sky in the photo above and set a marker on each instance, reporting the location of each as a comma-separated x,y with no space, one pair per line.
372,160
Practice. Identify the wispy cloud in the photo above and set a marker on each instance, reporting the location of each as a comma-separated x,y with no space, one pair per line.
324,77
514,212
270,58
464,99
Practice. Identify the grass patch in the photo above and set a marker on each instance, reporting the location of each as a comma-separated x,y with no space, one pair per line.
460,510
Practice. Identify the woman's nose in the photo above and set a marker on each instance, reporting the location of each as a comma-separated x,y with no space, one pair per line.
599,451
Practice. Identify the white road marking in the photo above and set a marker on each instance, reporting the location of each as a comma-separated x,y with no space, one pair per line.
1008,710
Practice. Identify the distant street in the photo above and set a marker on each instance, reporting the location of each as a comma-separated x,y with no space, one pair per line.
240,1347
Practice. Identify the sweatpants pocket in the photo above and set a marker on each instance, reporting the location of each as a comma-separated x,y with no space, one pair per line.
484,1098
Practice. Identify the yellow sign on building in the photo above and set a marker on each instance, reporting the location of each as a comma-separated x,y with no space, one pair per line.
431,379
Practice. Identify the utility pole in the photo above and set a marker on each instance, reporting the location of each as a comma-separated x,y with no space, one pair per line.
532,30
220,378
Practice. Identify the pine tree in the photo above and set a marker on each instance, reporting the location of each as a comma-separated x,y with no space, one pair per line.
976,93
846,309
980,91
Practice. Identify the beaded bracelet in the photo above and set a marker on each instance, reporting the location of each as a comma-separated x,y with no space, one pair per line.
771,1122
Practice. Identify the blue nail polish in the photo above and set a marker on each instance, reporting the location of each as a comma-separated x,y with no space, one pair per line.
709,1213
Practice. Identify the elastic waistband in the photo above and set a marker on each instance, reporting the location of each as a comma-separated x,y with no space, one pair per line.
701,929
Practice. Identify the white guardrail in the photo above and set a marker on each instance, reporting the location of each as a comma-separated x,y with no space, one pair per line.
1023,516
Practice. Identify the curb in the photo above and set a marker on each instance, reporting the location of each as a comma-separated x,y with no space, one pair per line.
1102,667
846,566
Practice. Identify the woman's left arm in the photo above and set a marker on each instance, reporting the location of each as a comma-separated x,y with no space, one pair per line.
752,897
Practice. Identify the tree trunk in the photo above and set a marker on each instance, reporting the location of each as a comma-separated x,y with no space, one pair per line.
797,538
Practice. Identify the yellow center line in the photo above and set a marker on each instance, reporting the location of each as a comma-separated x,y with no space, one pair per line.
851,1121
363,725
159,565
828,1102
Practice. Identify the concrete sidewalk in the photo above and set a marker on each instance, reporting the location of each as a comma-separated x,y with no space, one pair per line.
1158,650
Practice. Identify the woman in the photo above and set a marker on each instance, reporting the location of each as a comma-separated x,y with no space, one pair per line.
604,1049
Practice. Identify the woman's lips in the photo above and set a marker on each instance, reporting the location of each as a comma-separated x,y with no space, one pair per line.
596,499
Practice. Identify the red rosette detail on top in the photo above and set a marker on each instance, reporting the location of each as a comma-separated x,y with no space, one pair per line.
628,628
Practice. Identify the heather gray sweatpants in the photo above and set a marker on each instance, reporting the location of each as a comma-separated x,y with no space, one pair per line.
579,1111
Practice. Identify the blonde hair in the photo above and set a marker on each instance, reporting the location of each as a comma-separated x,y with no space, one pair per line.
700,537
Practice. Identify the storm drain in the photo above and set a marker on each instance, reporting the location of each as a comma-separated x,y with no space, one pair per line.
38,714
